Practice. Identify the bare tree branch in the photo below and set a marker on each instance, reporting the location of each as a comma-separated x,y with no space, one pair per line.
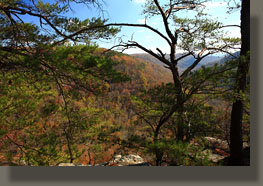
165,21
117,24
16,10
191,67
183,56
135,44
229,26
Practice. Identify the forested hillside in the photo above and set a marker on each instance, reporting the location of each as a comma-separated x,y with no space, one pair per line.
114,106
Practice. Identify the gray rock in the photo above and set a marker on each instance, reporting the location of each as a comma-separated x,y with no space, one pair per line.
217,143
127,160
66,165
215,157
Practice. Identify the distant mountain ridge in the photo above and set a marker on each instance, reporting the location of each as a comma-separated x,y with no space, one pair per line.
187,61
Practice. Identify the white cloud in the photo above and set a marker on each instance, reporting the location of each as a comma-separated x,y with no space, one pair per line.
139,1
141,21
214,4
152,22
234,33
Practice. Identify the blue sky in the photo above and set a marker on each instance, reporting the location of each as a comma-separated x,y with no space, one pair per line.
130,11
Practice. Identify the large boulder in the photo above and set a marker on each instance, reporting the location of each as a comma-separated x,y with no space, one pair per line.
128,160
215,143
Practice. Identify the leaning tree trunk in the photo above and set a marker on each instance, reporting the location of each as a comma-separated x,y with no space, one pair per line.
236,142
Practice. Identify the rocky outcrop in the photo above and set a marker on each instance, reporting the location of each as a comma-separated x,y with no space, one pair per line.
128,160
118,160
215,143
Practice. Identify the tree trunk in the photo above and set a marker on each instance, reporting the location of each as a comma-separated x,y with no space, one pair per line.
180,102
236,141
159,157
180,129
158,152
